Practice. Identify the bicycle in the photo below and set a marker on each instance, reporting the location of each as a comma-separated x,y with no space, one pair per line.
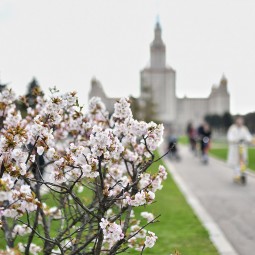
205,146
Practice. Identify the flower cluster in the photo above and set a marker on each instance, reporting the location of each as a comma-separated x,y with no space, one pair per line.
16,200
141,238
20,230
112,231
34,249
6,101
94,167
141,198
148,216
150,239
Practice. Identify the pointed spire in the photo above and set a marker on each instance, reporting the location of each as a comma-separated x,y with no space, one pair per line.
157,22
158,49
223,80
157,34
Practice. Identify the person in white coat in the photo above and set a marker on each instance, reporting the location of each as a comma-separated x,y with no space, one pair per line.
237,133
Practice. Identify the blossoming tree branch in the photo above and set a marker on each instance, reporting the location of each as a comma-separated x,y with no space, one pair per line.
69,180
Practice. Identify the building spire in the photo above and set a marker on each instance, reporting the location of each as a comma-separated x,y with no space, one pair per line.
223,77
157,33
157,19
223,80
158,49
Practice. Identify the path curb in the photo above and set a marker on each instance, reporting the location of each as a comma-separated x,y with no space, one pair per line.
216,235
250,172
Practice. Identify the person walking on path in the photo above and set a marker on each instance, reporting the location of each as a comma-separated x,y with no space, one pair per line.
192,135
204,134
238,134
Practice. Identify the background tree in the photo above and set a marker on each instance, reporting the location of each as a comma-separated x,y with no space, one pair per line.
144,108
215,121
2,86
135,107
148,106
227,120
29,100
250,121
33,91
220,123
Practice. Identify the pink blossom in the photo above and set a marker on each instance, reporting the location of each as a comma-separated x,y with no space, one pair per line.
150,240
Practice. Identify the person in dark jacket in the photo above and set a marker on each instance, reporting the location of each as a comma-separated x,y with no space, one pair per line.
204,134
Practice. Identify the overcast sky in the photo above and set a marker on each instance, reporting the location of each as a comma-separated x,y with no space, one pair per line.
67,42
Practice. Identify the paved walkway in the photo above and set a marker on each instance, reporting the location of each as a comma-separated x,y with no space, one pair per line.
230,205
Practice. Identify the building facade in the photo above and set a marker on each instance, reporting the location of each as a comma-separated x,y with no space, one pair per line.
158,81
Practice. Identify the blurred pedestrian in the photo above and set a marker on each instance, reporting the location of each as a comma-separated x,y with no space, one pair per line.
192,135
204,134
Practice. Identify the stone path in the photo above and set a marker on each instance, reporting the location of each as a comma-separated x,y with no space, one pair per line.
229,205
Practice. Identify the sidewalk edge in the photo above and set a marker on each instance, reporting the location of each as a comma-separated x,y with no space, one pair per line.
216,235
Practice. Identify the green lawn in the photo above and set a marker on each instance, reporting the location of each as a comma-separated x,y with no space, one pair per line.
183,139
179,228
222,153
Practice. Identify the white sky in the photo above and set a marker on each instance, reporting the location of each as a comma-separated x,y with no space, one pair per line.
67,42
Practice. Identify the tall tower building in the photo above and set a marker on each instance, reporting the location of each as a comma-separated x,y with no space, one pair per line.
158,90
159,80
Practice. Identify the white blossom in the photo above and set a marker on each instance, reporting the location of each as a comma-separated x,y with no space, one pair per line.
21,230
150,240
40,150
148,216
122,109
112,231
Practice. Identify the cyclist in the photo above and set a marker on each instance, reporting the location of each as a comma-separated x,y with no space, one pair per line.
238,137
204,134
